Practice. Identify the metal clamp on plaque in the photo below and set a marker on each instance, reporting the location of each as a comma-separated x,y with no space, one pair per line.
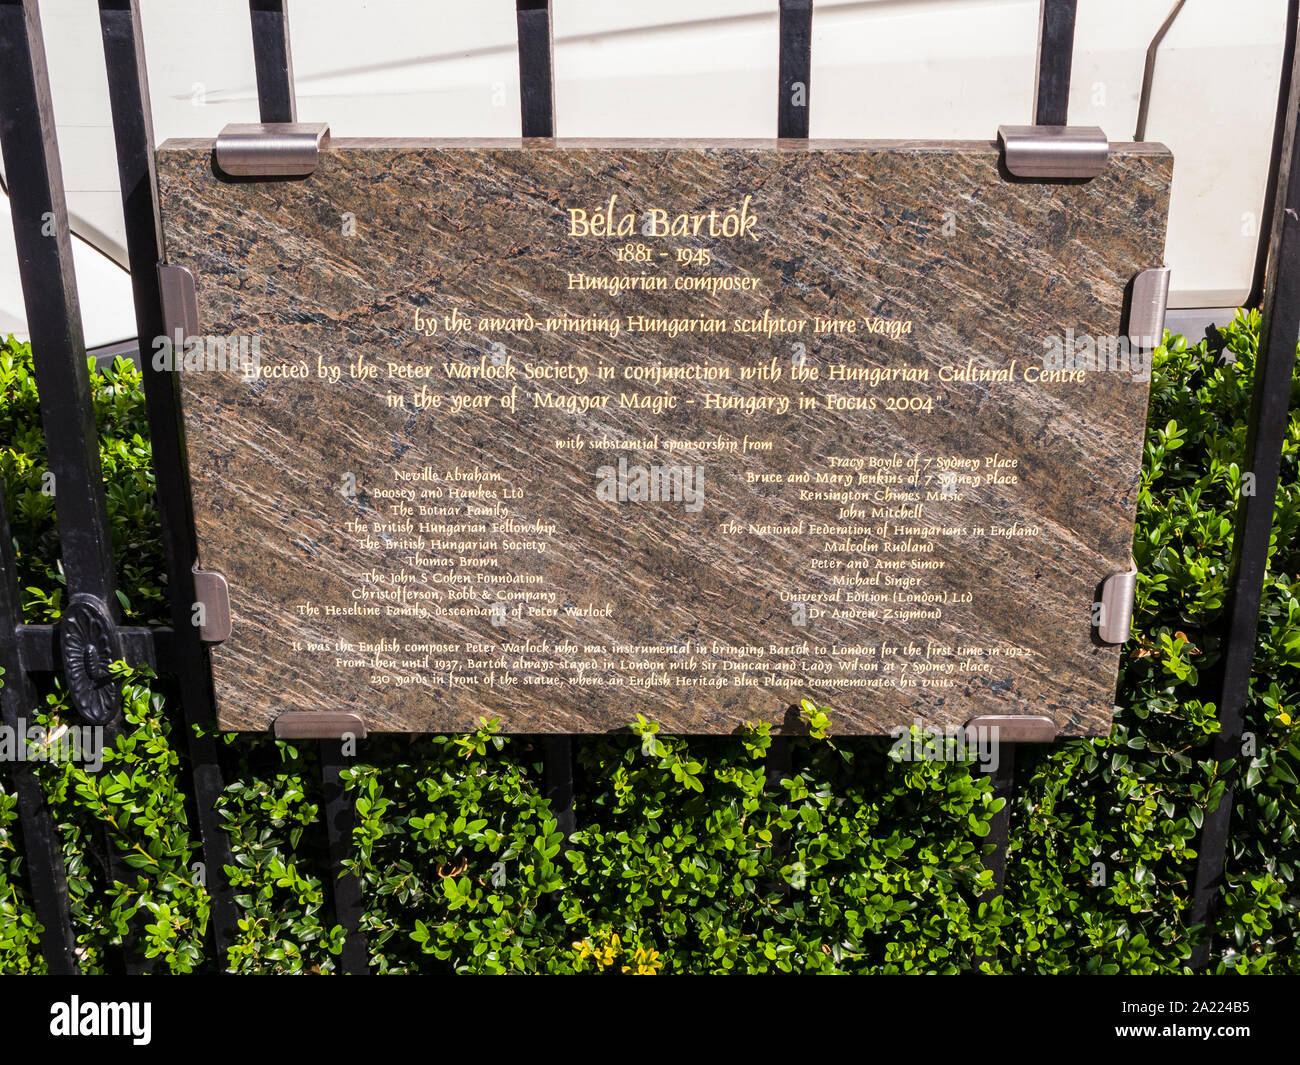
271,149
1054,151
318,725
212,595
1017,728
1116,620
180,302
1147,303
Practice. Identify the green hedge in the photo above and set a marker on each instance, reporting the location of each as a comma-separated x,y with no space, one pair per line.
696,855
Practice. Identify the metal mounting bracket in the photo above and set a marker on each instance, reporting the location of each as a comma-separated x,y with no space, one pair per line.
1054,151
180,302
318,725
271,149
212,593
1017,728
1116,620
1146,314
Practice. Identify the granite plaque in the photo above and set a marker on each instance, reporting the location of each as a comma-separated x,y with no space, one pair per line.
561,433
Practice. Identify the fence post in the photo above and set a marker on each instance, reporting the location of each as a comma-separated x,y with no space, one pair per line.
1055,59
1266,435
795,69
272,61
46,874
41,236
44,247
537,119
128,86
1280,131
536,68
794,76
1051,106
276,103
340,819
1004,787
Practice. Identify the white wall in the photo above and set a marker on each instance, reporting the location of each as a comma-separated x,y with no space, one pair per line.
691,68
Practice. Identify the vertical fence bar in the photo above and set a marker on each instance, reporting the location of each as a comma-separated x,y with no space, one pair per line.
43,242
794,75
273,60
1266,435
537,117
276,103
779,766
1051,106
44,247
795,69
536,68
1055,57
46,874
128,85
1004,787
340,819
557,780
1256,297
1149,76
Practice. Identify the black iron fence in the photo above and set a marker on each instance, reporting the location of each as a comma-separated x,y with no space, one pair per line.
90,629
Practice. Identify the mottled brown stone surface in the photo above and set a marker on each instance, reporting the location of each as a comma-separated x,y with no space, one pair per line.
984,268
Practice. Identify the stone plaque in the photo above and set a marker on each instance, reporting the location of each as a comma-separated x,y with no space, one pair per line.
561,433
